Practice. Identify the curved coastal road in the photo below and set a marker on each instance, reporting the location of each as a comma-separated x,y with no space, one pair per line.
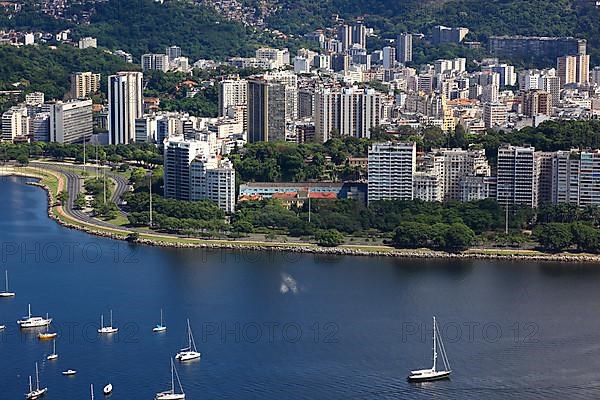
74,184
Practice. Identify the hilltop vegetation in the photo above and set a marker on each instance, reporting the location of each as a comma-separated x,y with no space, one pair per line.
141,26
494,17
41,68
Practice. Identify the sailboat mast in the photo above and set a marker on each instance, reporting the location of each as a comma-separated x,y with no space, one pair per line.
434,345
189,335
29,310
111,318
30,385
6,273
37,378
161,319
92,390
102,321
172,378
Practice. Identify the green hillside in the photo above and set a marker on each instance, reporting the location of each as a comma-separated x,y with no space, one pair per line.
140,26
41,68
578,18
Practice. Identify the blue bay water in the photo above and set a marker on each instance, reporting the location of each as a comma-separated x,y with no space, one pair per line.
276,325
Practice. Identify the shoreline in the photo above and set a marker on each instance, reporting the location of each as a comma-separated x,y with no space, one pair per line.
472,254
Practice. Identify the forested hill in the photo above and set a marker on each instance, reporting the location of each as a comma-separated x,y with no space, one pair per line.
141,26
580,18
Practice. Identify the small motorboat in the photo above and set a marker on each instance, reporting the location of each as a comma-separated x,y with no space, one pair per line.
107,389
2,327
69,372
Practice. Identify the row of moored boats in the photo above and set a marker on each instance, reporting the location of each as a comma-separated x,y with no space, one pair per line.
188,353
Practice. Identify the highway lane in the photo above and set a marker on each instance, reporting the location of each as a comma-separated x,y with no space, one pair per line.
74,184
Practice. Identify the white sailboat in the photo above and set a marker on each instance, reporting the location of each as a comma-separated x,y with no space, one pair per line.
53,356
433,374
107,329
33,322
160,327
191,352
170,394
6,293
37,392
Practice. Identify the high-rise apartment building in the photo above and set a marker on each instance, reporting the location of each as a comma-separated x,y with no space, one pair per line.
536,102
573,69
173,52
391,171
404,48
324,113
192,172
70,121
15,123
213,178
351,35
232,93
158,62
272,103
84,84
40,127
494,114
551,84
595,75
357,111
451,166
125,105
178,156
575,177
517,176
389,57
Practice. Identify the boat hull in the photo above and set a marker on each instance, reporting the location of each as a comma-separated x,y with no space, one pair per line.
169,396
36,323
46,336
107,331
159,329
188,356
7,294
36,394
428,377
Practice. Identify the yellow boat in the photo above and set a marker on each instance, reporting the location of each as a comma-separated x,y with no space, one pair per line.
47,335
